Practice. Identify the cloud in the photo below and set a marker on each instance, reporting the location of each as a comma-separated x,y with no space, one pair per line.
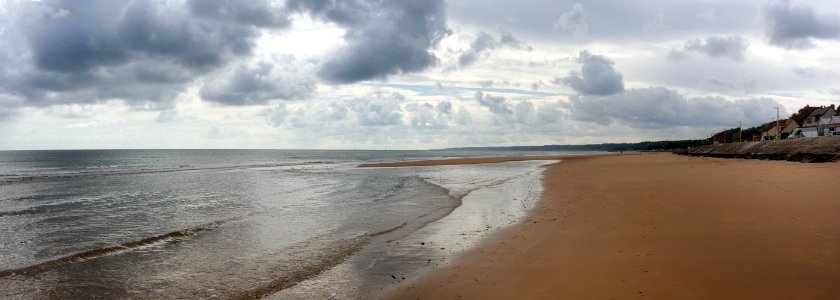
428,116
537,85
345,12
167,116
6,113
596,76
720,84
275,115
497,104
213,133
260,13
396,38
659,107
708,15
486,83
551,113
485,42
524,112
573,21
510,112
792,27
108,33
379,109
807,72
732,47
146,53
141,52
677,55
657,23
280,78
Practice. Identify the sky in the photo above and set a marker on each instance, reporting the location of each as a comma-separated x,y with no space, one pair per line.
404,74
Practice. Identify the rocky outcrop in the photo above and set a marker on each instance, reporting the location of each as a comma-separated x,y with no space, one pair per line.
813,149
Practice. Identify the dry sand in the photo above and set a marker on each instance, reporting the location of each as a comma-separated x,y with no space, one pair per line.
660,226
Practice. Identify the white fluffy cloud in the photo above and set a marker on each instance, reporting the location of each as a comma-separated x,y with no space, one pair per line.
660,107
596,77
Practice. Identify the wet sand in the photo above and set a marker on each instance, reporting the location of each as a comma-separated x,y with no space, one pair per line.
660,226
467,161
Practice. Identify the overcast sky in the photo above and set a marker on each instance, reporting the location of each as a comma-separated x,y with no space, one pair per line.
404,74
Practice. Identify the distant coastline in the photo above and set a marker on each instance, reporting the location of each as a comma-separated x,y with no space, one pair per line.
647,145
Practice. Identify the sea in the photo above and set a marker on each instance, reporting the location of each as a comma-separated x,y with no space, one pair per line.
244,224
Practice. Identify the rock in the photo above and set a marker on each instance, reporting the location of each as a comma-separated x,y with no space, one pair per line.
812,150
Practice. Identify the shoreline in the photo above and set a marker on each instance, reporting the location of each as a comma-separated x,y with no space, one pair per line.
658,225
482,193
475,160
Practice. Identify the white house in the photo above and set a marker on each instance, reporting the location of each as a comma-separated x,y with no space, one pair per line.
829,125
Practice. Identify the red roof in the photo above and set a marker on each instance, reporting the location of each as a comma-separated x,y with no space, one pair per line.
807,110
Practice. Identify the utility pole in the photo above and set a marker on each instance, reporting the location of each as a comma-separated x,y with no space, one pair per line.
740,131
778,130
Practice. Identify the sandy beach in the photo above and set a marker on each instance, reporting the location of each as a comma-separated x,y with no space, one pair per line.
659,226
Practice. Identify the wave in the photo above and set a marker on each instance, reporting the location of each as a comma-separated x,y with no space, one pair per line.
330,257
403,182
15,178
41,208
170,237
27,211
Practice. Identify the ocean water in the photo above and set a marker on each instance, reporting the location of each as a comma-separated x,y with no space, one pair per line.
233,224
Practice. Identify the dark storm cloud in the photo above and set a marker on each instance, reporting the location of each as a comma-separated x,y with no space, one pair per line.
659,107
397,38
596,76
146,53
796,27
342,12
252,12
142,52
732,47
7,111
280,79
485,42
108,33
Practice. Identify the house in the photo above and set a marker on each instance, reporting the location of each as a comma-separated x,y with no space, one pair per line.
829,125
814,118
787,126
804,113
